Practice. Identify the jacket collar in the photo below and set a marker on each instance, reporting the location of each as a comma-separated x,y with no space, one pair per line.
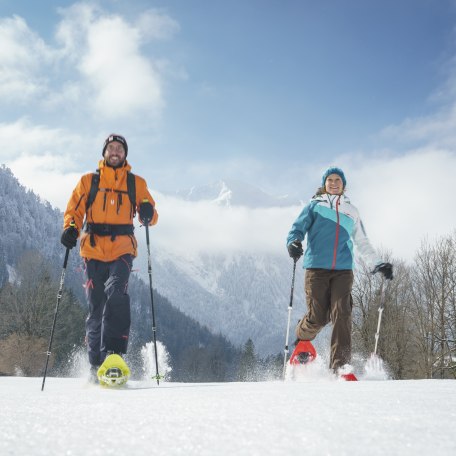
102,166
326,198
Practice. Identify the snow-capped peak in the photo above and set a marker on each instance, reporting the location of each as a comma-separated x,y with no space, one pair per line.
232,192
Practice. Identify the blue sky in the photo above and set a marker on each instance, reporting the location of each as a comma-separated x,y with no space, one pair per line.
271,92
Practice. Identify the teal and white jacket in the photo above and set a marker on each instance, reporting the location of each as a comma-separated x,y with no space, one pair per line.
332,225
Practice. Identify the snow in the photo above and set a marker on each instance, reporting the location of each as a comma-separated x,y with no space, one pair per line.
316,416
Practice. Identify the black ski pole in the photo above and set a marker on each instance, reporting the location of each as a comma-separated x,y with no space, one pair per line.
290,306
154,328
59,296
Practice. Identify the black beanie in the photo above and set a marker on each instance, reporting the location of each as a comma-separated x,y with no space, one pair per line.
113,137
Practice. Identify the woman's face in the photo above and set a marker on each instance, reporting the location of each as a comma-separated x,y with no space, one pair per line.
334,184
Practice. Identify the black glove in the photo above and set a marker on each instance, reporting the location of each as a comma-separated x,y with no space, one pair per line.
295,250
70,237
146,212
386,269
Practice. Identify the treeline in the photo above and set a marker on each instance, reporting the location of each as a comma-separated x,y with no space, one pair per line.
27,305
253,368
418,330
417,336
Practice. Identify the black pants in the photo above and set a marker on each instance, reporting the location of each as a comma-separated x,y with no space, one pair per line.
108,322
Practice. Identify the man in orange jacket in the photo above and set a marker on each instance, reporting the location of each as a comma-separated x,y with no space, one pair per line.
107,245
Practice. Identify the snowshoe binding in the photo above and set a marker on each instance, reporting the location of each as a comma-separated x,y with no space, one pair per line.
113,372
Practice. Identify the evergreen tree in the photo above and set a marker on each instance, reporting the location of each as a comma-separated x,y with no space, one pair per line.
248,364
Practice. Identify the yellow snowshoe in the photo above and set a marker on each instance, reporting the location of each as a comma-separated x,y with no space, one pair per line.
114,371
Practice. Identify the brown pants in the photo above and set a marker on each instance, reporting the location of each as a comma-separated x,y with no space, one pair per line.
329,298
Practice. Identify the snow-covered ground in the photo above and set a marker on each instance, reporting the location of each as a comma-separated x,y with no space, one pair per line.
313,417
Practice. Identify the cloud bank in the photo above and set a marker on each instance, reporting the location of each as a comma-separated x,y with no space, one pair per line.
402,200
205,227
97,59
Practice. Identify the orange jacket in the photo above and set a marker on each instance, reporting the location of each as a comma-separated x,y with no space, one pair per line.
109,207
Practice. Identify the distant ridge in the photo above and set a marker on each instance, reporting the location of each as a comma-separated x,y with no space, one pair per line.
232,192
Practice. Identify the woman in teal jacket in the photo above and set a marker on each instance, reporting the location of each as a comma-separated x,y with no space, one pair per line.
333,227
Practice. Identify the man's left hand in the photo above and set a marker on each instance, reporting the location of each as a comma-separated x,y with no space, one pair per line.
146,212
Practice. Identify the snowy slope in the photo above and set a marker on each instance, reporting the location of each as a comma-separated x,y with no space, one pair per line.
241,295
272,418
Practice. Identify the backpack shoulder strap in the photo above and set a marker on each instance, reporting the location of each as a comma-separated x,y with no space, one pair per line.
131,188
93,188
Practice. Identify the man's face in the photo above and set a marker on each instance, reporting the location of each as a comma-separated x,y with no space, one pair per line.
114,154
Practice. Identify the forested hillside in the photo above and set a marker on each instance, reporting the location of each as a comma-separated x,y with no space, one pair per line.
26,223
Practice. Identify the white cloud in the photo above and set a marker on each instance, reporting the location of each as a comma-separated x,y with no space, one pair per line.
117,78
204,227
42,158
44,175
123,81
22,55
98,63
407,196
436,130
72,30
403,199
155,25
22,137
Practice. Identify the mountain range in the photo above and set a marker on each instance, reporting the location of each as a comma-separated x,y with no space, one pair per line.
242,292
232,192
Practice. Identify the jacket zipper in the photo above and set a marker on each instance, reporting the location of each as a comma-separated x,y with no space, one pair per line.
336,242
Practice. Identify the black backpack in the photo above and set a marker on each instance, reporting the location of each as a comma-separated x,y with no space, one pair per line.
131,190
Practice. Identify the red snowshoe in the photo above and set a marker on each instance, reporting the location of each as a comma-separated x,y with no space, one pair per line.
303,353
351,377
